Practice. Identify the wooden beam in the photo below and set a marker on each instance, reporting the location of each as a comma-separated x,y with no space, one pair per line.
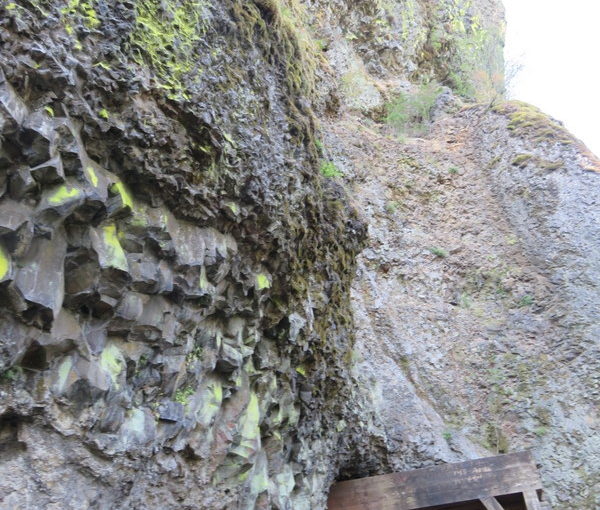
532,501
491,504
439,485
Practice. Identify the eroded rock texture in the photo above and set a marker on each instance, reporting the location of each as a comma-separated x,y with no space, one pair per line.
476,299
174,271
179,283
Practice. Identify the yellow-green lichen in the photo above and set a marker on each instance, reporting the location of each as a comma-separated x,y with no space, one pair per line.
64,194
262,281
112,362
135,424
203,284
126,198
64,369
260,480
235,209
5,264
301,370
211,402
79,11
249,431
115,255
165,37
104,113
92,175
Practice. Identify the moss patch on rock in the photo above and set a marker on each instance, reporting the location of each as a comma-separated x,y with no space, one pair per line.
528,121
165,38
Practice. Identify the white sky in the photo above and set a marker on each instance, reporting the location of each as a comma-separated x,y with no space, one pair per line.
558,44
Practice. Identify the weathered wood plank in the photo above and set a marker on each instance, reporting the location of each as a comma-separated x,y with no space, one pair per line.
532,501
438,485
491,504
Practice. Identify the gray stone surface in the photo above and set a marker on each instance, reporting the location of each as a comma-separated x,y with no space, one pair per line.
179,283
476,299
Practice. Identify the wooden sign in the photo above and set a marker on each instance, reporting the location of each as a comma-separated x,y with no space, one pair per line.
480,480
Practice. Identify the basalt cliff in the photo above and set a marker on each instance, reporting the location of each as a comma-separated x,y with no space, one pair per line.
249,247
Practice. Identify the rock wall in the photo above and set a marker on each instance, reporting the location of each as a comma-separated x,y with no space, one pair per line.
174,270
476,298
548,185
178,273
374,49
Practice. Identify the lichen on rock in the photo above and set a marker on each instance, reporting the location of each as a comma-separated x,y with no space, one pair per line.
185,187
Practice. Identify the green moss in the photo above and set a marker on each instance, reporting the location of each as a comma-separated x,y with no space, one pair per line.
391,207
165,38
528,121
115,254
4,264
262,281
10,375
329,170
526,300
495,439
64,194
194,355
289,26
182,395
438,252
551,165
521,160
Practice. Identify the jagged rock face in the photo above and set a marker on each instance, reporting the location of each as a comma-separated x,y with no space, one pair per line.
174,272
177,322
377,47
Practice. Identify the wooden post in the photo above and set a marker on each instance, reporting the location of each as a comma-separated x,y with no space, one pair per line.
531,500
491,504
